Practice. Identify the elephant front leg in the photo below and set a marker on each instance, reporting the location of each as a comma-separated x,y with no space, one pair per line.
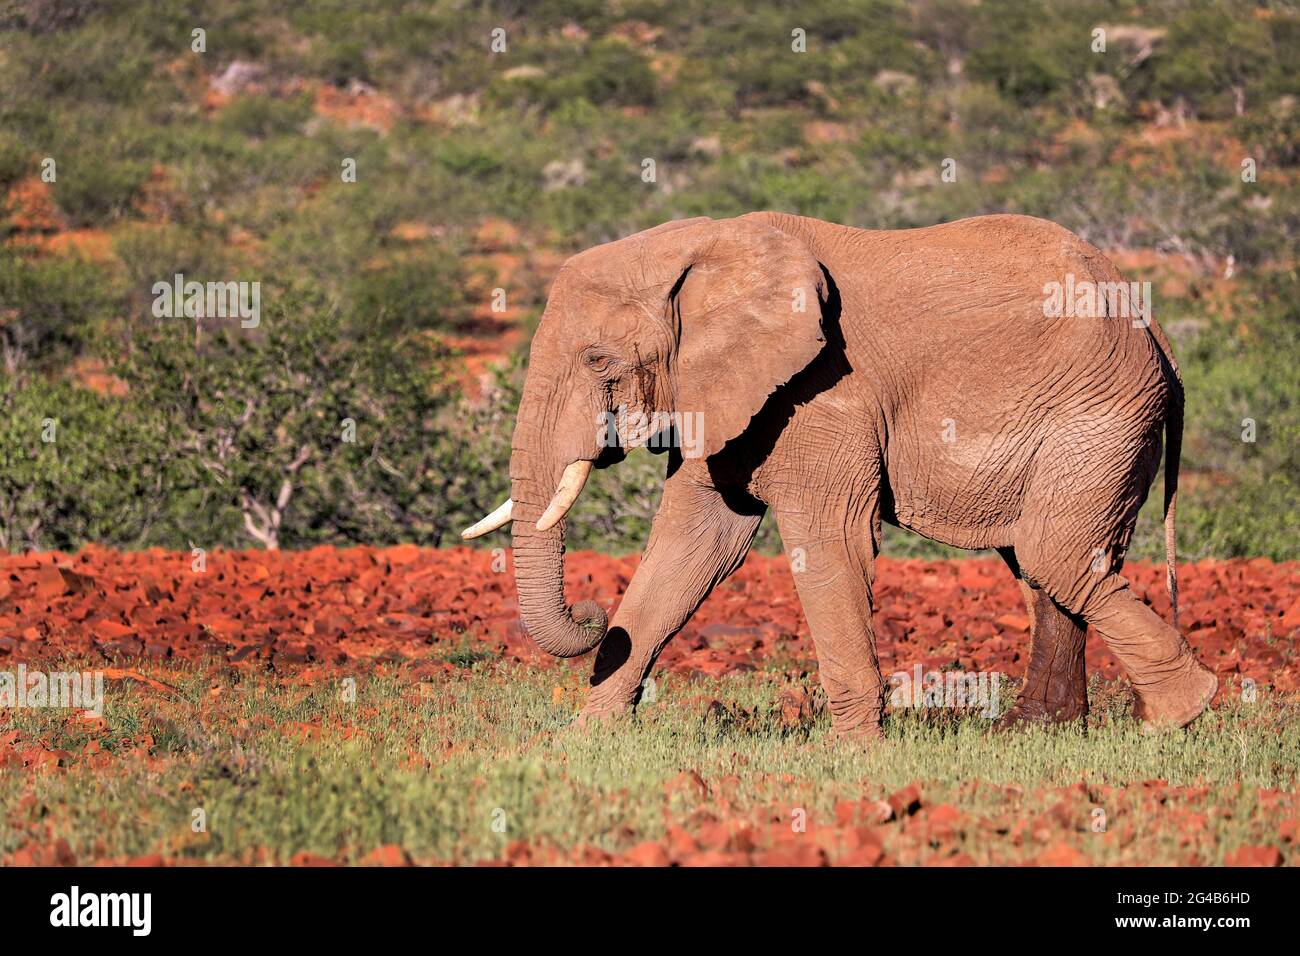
697,540
833,565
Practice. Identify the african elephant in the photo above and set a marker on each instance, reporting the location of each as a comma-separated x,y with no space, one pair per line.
844,377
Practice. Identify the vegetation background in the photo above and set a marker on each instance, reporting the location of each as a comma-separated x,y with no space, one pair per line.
478,171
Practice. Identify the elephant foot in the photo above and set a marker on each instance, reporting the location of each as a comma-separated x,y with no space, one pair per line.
607,700
865,734
1031,712
589,717
1175,701
858,716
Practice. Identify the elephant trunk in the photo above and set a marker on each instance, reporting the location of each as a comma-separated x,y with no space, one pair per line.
539,554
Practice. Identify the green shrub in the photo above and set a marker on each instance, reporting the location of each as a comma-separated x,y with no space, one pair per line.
410,292
1212,59
308,434
264,117
78,467
93,188
50,308
16,159
1248,502
610,72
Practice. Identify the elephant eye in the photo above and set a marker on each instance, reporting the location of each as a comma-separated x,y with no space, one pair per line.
597,361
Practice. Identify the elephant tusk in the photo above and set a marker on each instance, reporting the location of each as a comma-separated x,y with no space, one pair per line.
571,482
493,521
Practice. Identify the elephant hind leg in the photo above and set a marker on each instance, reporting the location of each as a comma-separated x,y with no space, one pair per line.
1172,687
1077,521
1056,680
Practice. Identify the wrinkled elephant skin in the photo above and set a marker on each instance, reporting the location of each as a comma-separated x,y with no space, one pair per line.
937,379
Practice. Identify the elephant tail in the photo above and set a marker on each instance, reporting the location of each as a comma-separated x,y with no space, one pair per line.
1173,452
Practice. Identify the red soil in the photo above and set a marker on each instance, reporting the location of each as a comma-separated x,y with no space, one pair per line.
283,610
303,613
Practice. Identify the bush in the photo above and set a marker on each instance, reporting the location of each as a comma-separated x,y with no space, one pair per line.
94,188
50,309
409,292
264,117
609,73
308,435
77,467
16,160
1247,501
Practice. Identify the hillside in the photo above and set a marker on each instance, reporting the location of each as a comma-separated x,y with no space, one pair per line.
409,181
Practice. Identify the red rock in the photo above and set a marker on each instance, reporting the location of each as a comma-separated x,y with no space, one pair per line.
1061,854
109,630
726,835
55,582
647,854
390,603
402,554
127,647
57,853
1290,619
796,707
293,654
867,854
846,812
713,858
496,235
680,844
689,782
388,855
1254,856
852,812
905,802
942,822
957,859
332,621
798,854
223,625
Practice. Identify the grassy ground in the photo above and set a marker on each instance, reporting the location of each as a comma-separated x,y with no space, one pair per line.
128,156
464,760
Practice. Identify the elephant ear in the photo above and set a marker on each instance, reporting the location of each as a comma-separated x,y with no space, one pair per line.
749,302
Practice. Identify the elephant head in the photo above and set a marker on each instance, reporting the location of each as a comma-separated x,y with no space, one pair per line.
693,318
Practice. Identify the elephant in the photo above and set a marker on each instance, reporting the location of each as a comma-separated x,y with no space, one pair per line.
846,377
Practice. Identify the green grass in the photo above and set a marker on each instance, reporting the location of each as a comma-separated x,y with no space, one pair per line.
430,765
